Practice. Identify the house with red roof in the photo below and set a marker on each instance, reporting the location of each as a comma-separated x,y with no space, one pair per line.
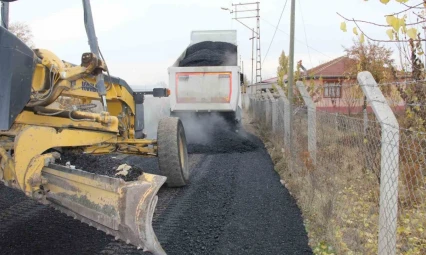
333,86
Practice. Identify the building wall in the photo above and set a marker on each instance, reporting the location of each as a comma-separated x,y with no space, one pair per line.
342,99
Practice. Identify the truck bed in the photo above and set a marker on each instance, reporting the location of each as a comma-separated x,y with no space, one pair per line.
213,88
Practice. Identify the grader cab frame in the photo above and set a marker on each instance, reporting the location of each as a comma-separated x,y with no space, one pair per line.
33,132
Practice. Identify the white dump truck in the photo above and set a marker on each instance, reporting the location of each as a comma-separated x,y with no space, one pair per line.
206,78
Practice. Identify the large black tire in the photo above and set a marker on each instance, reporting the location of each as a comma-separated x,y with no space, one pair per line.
172,152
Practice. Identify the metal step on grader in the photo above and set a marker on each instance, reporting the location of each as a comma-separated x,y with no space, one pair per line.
33,133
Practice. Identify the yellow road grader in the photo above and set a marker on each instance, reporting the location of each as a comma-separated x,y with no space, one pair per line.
33,133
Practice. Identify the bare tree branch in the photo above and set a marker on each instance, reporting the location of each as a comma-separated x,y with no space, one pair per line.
368,22
376,40
413,7
376,24
372,23
408,8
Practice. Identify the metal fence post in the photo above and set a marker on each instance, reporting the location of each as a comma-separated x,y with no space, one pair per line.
389,163
365,116
312,120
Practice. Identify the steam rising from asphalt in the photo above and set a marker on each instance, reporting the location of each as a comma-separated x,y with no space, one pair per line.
208,134
199,130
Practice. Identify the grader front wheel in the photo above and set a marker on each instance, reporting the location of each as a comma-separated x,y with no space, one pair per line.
172,152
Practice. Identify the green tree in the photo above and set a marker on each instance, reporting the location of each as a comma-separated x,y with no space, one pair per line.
372,57
282,69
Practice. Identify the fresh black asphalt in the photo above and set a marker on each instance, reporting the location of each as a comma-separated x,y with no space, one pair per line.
234,204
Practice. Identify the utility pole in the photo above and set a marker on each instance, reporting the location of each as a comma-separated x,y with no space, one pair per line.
258,55
5,15
252,55
291,76
237,10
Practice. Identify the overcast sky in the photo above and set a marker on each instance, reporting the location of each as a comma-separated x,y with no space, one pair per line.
140,39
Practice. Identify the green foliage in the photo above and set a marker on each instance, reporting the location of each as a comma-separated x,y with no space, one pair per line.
282,69
399,27
414,96
372,57
323,249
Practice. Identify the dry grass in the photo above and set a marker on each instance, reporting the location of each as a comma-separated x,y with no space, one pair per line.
339,197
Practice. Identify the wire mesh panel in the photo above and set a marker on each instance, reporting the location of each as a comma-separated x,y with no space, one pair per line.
245,101
366,193
412,193
258,109
265,111
347,182
268,112
300,156
279,123
408,102
274,116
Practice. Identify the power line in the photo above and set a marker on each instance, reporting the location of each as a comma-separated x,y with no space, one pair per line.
306,36
297,40
276,28
257,37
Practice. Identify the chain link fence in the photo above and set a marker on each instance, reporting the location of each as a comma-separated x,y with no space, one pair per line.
359,179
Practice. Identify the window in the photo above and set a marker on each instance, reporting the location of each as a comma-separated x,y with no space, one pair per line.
332,90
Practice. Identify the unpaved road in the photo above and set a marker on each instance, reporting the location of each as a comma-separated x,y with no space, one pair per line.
234,204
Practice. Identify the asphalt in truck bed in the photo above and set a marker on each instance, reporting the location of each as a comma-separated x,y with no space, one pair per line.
234,204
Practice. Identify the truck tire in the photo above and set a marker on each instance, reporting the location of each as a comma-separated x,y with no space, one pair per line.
172,152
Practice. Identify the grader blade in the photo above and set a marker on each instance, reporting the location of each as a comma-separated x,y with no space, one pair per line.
119,208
